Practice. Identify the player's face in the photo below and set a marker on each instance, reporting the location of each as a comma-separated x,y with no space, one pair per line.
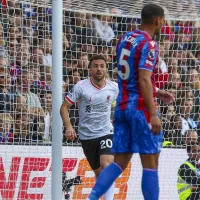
98,69
159,23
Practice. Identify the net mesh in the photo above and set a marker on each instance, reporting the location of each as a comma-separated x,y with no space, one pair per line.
89,28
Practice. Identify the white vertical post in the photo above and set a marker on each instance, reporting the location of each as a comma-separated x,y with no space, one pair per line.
56,185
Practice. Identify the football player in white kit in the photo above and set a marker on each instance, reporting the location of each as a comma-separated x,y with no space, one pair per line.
94,96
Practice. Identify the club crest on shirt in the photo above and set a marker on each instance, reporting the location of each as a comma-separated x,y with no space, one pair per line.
151,54
108,98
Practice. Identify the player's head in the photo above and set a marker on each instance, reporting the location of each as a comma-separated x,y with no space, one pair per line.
153,14
98,67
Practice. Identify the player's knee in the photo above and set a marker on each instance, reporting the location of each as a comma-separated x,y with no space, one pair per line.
105,163
149,161
150,166
123,160
105,160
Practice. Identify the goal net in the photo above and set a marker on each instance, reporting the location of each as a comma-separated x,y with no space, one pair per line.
90,27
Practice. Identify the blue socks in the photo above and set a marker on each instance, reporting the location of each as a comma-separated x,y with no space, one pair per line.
105,180
150,186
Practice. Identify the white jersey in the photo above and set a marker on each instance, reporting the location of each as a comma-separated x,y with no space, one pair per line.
94,105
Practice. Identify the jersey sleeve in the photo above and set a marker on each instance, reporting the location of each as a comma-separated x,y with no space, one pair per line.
74,94
147,56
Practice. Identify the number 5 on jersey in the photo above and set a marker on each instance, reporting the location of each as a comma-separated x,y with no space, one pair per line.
125,68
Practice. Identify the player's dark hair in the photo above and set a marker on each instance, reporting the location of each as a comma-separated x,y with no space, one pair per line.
150,11
97,57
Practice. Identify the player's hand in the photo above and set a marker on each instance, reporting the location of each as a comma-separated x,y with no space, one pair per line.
155,124
165,96
70,133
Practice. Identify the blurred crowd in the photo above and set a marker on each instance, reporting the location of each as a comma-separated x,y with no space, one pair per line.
26,68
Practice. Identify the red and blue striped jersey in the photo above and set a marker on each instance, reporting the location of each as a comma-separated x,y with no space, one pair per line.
135,50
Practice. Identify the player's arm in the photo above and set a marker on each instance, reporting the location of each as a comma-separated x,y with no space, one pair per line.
147,93
146,89
145,84
64,112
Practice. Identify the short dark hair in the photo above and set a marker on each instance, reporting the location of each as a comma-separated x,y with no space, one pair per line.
97,57
150,11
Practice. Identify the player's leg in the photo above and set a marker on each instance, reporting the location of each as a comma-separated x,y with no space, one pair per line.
150,183
91,151
109,175
106,157
105,160
105,145
121,148
149,149
149,161
97,171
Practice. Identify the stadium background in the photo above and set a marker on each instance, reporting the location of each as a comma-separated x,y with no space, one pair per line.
89,28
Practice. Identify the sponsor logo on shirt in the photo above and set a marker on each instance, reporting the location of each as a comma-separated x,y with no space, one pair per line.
88,109
98,109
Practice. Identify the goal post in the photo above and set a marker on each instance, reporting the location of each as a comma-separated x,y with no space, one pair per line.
46,45
56,186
